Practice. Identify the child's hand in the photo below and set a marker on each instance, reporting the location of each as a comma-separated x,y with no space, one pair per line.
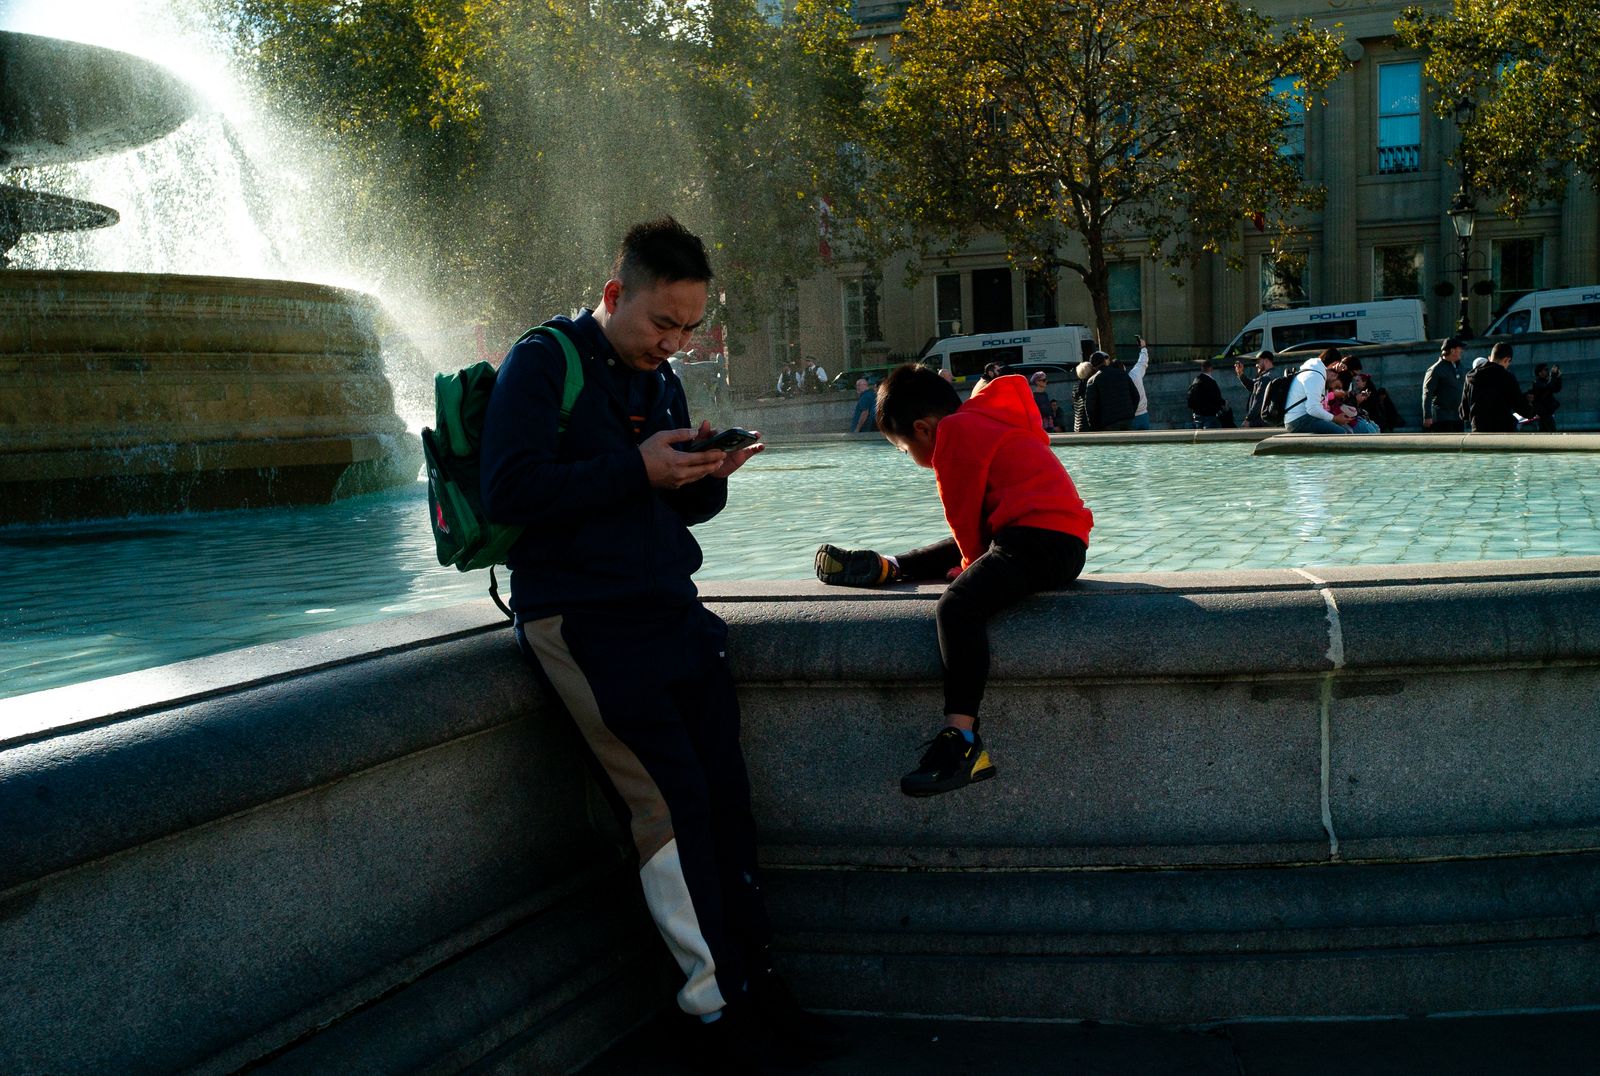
950,576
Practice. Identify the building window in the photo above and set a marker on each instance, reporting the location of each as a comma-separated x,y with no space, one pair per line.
783,327
855,320
1283,280
1039,294
1518,269
947,305
1397,272
1293,130
1399,117
1125,288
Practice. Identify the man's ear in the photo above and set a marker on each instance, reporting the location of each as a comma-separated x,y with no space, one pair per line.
612,295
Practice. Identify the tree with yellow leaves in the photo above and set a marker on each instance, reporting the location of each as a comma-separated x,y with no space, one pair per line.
1147,123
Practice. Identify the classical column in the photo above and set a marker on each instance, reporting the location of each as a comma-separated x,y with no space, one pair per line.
1342,156
1580,233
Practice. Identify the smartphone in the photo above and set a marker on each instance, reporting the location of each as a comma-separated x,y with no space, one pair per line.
729,440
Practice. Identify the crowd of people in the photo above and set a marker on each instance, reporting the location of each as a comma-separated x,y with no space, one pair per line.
1328,393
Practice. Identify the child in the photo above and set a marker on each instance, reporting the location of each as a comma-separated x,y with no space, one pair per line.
1019,526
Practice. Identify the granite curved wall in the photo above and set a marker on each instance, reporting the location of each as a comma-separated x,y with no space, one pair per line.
1257,794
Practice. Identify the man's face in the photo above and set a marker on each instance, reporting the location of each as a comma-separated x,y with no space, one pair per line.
862,384
1263,365
1453,355
646,325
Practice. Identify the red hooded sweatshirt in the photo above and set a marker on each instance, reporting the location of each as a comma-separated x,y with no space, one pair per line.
995,469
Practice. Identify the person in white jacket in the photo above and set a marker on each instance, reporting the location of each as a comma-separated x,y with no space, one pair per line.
1303,411
1141,413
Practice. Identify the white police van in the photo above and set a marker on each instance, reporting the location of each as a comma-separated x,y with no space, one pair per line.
1386,321
1556,308
966,356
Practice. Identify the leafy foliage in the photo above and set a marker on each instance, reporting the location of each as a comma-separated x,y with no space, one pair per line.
1123,122
505,145
1530,72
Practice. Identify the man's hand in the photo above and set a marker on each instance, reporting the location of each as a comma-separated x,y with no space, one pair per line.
1427,423
668,468
731,461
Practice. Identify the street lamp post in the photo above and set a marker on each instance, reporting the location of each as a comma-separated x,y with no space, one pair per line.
1462,217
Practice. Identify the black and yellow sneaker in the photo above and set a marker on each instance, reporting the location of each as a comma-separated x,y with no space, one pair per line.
853,567
949,763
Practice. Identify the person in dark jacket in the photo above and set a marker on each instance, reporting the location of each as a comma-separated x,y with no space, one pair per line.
1256,386
1205,399
1492,396
1441,390
1110,399
1542,400
608,617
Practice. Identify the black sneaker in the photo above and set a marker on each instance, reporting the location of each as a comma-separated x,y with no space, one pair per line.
949,763
800,1035
852,567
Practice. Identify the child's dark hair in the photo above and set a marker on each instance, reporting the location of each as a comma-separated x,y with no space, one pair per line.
911,392
660,252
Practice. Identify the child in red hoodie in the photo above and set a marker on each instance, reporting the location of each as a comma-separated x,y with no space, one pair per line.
1018,523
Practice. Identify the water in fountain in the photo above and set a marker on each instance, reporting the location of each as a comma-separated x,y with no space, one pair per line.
227,194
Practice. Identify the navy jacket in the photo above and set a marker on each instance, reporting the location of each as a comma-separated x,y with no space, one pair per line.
598,534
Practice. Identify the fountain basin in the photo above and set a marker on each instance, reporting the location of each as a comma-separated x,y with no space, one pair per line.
133,393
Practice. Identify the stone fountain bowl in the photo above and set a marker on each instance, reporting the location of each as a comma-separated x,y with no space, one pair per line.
135,393
64,101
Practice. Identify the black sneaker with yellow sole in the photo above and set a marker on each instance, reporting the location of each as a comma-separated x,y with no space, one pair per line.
853,567
949,763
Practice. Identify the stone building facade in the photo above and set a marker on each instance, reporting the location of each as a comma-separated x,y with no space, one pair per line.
1377,147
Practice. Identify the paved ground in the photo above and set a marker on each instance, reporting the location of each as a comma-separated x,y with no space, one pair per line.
1565,1044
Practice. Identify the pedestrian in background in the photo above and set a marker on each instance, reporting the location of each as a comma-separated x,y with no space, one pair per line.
1441,389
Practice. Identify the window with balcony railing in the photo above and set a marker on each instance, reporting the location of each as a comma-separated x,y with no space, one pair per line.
1399,117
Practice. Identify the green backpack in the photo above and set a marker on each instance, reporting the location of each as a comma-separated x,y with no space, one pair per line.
462,534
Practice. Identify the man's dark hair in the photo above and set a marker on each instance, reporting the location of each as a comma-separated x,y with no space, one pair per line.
660,252
911,392
1502,350
1268,355
1205,366
1330,356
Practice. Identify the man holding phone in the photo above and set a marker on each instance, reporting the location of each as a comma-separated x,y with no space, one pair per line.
607,614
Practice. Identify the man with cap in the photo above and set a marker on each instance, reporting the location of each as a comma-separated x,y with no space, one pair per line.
1041,398
1441,389
1110,399
1255,386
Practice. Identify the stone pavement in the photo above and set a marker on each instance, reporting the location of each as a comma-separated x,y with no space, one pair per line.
1567,1044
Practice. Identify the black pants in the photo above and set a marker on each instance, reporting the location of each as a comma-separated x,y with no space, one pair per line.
1020,561
1448,425
652,695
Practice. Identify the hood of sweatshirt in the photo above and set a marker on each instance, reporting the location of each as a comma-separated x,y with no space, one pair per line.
1007,399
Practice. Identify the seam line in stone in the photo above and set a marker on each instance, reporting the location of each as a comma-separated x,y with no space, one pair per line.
1335,656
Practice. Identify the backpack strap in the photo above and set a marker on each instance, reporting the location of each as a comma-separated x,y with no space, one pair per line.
573,384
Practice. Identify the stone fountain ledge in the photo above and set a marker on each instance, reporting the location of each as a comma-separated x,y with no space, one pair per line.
1351,791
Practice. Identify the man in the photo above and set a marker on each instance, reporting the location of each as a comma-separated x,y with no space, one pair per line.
1542,396
1039,384
1441,389
1303,410
1205,399
813,378
608,617
990,372
865,419
1492,395
788,379
1109,399
1141,414
1255,386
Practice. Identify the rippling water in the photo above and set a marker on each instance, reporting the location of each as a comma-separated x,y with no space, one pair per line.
92,600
